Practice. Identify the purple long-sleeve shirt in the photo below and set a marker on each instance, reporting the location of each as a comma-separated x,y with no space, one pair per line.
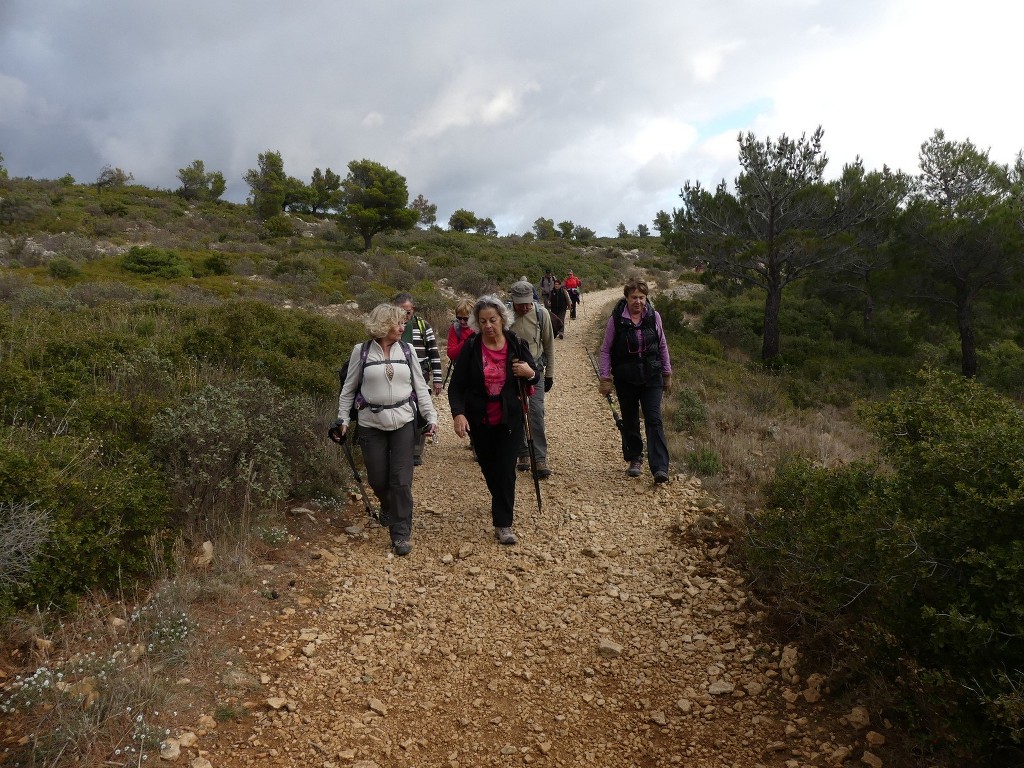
609,337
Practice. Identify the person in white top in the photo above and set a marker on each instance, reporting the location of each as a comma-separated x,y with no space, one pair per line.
390,387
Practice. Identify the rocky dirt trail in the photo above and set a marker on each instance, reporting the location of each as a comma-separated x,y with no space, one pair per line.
614,634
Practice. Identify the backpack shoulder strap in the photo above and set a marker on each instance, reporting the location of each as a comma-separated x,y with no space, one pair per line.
409,357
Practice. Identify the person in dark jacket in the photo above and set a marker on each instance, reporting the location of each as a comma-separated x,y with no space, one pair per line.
560,303
493,369
634,356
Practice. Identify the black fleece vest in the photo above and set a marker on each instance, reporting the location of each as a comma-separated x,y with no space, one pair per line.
632,362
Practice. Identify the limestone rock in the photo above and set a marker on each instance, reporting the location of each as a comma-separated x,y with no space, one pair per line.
859,718
170,750
609,648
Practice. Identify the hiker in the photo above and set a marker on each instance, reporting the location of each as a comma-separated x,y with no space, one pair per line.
573,285
532,324
459,330
484,399
560,302
419,333
547,285
634,356
457,335
392,385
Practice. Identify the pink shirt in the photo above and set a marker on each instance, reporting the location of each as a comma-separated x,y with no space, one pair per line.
494,380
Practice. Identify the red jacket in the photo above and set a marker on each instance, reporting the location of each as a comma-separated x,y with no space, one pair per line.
456,338
572,282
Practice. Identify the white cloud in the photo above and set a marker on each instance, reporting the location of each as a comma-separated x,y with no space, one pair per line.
513,111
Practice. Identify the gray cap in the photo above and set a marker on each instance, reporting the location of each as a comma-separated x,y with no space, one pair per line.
521,292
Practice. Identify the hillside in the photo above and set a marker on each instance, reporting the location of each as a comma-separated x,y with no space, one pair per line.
615,634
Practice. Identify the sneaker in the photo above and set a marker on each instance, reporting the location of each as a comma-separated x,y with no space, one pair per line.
417,461
543,472
661,476
523,465
505,536
402,547
636,467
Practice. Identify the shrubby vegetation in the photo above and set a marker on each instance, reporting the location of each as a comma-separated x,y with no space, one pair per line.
168,366
907,566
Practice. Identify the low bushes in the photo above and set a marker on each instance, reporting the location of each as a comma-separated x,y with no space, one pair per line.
912,566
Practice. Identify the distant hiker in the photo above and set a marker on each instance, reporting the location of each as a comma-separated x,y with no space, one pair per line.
390,387
484,399
635,357
573,285
459,330
419,333
560,303
533,325
547,284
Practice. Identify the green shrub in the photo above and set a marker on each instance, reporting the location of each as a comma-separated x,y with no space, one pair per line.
102,505
704,461
915,569
231,448
691,412
63,268
156,262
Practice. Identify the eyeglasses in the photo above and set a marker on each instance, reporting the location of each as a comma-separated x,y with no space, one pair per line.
462,319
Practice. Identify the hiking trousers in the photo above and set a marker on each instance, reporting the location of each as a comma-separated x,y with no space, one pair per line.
496,452
388,458
540,440
632,399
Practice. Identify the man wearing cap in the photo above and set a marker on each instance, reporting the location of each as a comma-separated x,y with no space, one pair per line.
533,324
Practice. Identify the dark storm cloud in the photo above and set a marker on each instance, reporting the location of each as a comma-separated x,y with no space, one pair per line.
594,112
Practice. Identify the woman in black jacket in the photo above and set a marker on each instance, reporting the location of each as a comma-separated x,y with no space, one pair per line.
493,367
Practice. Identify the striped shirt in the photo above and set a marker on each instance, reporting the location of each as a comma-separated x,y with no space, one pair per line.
419,333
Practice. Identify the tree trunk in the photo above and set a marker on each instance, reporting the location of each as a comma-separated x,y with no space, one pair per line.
869,311
968,349
367,239
770,343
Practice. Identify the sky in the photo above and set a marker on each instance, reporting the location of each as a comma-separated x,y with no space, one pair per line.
595,111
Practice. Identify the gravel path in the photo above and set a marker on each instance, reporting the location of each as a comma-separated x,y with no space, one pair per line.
612,635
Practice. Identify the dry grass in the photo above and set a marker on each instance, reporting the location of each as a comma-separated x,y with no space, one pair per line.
750,428
104,685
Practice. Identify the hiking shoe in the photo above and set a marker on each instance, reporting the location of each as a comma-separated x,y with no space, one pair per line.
505,536
417,461
661,476
523,465
543,472
402,547
636,467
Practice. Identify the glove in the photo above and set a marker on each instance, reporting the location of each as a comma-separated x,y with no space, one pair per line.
605,387
548,383
337,432
666,380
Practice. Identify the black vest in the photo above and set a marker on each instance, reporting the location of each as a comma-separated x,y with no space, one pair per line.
632,362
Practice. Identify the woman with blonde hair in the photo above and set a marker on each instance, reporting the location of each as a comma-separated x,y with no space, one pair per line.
386,383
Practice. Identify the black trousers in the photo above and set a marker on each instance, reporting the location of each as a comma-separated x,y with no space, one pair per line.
388,458
632,399
496,448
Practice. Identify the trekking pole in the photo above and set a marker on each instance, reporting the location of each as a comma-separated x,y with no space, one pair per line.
447,374
608,397
342,440
525,401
